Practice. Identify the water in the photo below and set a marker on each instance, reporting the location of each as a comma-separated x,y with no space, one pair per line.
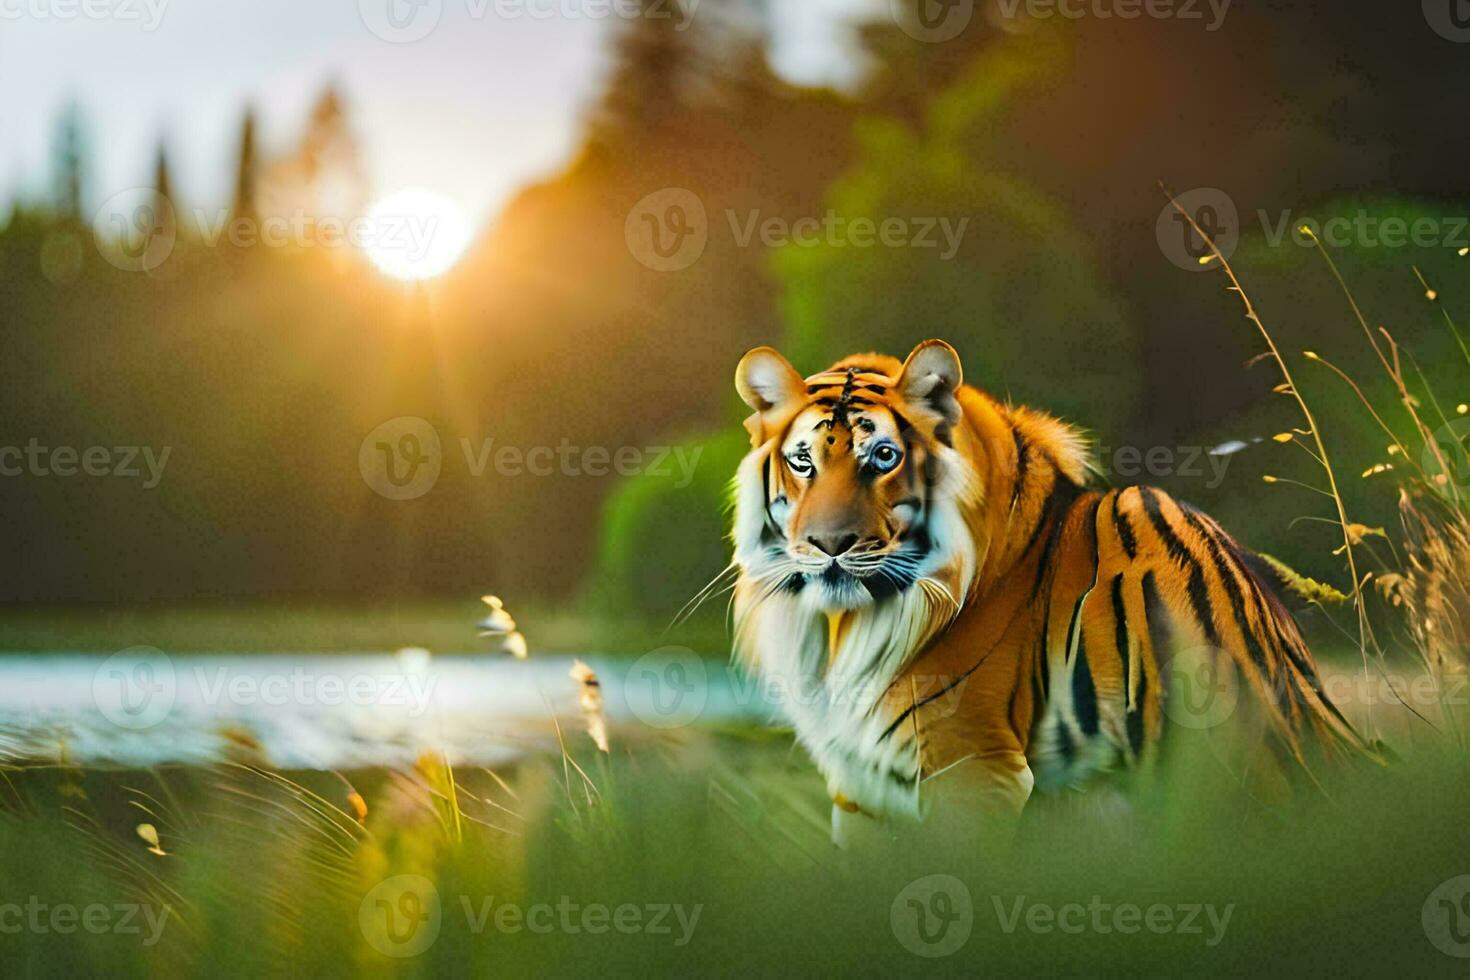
142,707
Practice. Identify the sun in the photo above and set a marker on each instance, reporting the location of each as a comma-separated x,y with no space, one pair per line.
416,233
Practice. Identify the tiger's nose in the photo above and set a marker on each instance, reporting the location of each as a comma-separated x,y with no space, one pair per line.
832,544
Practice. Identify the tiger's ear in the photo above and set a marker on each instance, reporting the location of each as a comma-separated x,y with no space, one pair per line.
931,377
769,384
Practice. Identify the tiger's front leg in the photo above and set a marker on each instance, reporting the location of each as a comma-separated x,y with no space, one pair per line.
980,797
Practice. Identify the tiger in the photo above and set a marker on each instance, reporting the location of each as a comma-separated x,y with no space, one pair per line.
943,591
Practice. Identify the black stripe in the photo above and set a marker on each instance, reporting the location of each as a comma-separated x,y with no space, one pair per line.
1223,568
1120,631
935,696
1064,740
1084,693
1023,454
1160,633
1199,593
1125,527
1064,496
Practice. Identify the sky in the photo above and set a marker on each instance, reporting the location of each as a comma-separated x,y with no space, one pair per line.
488,99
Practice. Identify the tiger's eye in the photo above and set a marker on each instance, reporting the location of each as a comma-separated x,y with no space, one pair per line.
885,458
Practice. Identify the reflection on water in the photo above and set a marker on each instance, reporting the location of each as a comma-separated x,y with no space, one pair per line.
340,711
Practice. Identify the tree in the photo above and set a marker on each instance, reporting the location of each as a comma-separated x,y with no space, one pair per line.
243,206
70,152
163,194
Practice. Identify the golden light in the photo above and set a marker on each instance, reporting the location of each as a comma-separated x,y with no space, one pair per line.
416,234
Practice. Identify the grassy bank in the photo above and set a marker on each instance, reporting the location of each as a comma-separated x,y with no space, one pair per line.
702,852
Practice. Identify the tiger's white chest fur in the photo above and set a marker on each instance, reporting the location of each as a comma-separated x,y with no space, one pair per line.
834,697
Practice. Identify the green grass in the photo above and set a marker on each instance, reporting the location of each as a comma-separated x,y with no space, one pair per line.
269,872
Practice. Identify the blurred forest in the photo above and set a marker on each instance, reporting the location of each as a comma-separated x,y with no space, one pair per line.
265,368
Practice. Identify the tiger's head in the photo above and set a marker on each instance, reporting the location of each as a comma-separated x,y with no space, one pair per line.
851,492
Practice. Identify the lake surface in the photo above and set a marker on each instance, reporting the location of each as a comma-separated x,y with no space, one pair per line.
142,707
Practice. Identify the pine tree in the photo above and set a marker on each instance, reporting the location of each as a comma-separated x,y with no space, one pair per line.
166,218
70,153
